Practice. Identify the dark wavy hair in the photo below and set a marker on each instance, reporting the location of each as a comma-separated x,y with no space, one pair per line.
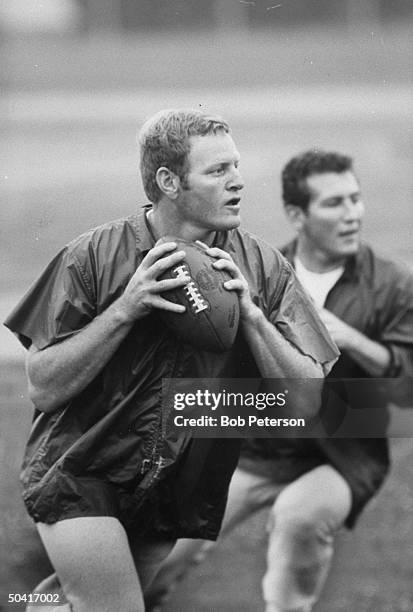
164,141
294,176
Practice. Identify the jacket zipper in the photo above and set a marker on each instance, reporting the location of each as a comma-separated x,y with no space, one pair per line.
160,462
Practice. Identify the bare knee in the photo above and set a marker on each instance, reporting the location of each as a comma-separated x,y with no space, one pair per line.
302,525
304,532
308,516
300,548
294,527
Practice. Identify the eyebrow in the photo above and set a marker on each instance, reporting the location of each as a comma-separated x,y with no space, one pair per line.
341,197
224,162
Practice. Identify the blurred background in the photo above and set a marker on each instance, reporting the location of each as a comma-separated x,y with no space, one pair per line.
78,79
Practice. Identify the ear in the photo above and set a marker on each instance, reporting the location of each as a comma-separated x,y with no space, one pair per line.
168,182
295,215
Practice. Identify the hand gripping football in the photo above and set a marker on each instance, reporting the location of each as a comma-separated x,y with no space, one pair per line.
211,317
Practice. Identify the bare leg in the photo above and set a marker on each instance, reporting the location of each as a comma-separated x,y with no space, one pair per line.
302,525
94,563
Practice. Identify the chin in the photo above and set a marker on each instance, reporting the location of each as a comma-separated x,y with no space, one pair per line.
228,223
349,250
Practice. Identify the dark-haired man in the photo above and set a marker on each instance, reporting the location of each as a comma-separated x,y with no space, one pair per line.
102,469
314,487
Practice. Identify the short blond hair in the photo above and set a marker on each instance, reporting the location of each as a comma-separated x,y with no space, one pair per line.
164,141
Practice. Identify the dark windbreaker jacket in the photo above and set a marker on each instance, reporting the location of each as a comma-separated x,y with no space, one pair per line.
375,296
110,451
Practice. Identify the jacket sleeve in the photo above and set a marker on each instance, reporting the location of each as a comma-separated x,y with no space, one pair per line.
396,327
396,333
59,304
294,315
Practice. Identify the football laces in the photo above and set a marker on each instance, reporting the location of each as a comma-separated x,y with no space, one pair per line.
197,301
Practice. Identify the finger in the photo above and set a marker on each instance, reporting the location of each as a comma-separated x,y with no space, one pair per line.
169,284
202,244
228,265
162,304
156,252
234,284
163,264
216,252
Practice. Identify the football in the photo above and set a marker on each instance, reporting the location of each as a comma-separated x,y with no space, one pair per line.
211,317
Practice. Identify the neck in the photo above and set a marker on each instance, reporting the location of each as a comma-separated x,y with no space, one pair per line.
164,224
315,260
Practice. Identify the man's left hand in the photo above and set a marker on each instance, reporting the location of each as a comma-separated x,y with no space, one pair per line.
238,283
341,333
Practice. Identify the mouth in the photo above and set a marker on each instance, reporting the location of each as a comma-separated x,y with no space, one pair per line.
350,233
233,203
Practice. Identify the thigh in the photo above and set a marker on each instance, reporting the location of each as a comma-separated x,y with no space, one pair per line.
92,558
247,494
321,494
302,527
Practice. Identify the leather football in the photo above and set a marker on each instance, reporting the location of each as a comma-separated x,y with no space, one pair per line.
211,317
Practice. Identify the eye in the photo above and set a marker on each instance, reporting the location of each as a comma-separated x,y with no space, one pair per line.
218,171
355,198
333,202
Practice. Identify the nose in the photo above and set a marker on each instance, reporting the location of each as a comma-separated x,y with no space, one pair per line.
236,182
353,210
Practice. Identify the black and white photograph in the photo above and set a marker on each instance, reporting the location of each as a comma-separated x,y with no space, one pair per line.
206,340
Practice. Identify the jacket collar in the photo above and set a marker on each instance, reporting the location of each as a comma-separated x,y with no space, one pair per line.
352,268
145,240
144,237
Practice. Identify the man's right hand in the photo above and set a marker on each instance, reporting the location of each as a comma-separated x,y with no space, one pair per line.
143,292
61,371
